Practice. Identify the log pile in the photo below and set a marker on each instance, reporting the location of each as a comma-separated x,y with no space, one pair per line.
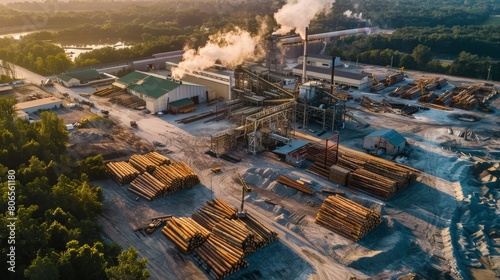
122,172
338,175
236,233
157,158
296,184
383,174
372,183
347,218
219,258
185,233
176,176
147,186
142,163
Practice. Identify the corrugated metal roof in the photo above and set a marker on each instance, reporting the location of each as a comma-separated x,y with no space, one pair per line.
148,85
324,70
38,102
297,144
82,75
391,135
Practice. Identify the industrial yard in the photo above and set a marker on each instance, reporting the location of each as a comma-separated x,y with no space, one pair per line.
418,226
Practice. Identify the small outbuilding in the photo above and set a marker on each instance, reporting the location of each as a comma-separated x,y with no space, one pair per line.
387,139
33,106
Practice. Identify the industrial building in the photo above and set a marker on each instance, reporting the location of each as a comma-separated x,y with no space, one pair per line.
21,115
83,78
387,139
156,61
343,78
33,106
320,60
159,92
218,80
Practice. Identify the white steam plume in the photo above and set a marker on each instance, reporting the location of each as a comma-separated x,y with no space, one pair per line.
349,14
297,14
231,48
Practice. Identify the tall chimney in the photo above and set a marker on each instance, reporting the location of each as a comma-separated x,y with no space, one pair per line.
304,63
333,75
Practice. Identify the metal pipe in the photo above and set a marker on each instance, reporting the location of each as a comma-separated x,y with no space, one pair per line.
319,36
304,61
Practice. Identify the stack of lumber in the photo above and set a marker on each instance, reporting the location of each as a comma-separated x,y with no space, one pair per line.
321,163
236,233
428,97
176,176
359,162
260,231
444,98
411,93
219,258
338,175
372,105
157,158
372,183
213,212
147,186
296,184
104,91
142,163
122,172
347,218
185,233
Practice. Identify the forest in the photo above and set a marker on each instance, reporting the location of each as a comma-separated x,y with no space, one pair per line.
451,29
57,235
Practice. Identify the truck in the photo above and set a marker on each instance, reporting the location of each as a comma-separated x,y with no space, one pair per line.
133,124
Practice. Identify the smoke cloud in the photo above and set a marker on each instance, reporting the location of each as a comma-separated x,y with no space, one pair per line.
231,49
350,14
297,14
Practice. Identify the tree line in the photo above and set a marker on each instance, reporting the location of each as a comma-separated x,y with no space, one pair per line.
57,235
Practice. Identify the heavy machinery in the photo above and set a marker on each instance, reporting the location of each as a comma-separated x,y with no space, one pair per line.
242,212
133,124
157,223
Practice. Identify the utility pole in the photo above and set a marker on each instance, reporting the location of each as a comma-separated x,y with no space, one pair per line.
392,58
489,70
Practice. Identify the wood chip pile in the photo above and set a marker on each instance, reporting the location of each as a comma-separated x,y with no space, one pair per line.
185,233
122,172
296,184
347,218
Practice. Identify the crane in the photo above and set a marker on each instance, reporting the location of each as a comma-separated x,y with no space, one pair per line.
242,212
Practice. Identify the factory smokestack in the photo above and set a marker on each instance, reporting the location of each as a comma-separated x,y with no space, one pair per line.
304,62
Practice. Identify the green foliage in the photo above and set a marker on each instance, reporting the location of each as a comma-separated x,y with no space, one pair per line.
82,262
94,167
42,269
128,268
78,197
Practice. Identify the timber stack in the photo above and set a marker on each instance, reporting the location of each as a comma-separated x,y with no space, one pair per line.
296,184
219,258
236,233
176,176
157,158
186,233
385,177
142,163
347,218
147,186
122,172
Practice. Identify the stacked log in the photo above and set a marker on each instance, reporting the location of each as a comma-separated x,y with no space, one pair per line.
444,98
147,186
157,158
219,258
260,231
296,184
213,212
142,163
338,175
372,183
235,233
185,233
122,172
347,218
176,176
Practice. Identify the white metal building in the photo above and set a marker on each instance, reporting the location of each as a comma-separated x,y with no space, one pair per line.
33,106
319,60
350,79
159,91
